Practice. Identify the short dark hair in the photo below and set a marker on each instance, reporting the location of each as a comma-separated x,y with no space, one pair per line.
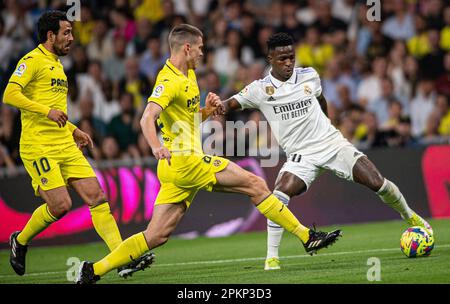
183,33
49,21
279,39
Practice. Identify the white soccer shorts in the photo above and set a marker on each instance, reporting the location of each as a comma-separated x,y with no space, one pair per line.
309,167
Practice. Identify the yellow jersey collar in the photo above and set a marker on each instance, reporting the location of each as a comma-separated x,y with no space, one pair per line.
173,68
46,52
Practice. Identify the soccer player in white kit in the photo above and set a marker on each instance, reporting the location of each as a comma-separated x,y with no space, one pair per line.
291,99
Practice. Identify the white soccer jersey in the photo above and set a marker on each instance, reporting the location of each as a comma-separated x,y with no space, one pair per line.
293,112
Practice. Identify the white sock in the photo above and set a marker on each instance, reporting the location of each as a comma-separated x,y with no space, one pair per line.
391,195
275,231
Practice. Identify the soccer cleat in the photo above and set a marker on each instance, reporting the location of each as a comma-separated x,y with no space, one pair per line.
140,263
319,239
86,274
18,252
272,264
416,220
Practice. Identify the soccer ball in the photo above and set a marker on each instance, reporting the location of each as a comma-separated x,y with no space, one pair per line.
416,241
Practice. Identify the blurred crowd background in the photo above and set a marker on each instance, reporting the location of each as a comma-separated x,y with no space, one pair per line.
387,82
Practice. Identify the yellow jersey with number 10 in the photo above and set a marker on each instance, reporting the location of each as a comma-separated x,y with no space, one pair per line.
42,78
179,97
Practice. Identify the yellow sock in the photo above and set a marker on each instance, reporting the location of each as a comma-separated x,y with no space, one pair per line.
128,250
40,219
106,225
279,213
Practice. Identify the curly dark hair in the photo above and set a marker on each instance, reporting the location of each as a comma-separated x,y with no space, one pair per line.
279,39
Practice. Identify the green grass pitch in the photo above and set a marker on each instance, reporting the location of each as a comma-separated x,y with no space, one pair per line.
240,259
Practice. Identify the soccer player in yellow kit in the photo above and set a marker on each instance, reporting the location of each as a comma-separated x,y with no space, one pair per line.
48,143
183,168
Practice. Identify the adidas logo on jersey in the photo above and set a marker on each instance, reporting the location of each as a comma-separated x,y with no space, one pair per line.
271,98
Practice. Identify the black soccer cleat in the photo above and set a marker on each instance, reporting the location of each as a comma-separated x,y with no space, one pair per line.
142,262
18,253
319,239
86,274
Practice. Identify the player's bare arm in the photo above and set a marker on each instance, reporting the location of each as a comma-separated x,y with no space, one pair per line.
323,104
148,125
231,104
13,96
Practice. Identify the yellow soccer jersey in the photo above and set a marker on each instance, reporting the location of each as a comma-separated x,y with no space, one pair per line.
42,78
179,97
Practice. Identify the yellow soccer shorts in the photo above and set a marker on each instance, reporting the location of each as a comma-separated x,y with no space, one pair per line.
51,166
186,175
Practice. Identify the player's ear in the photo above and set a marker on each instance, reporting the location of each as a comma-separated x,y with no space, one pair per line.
51,36
187,47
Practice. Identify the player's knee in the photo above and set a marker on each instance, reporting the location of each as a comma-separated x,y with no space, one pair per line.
286,189
61,207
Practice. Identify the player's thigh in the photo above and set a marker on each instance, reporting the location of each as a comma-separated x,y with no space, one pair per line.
89,190
195,171
75,167
43,166
295,177
290,184
238,180
169,193
353,165
165,219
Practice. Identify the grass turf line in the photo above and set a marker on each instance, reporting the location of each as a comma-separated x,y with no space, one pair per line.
240,259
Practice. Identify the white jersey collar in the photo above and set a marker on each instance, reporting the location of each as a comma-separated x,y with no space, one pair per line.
278,83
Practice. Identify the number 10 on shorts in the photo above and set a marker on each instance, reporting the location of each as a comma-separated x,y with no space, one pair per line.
43,165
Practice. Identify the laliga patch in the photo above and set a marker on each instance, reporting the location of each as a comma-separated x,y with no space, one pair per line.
244,91
158,91
20,70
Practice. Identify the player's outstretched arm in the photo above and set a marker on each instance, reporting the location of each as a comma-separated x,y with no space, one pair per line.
13,96
231,104
323,104
148,126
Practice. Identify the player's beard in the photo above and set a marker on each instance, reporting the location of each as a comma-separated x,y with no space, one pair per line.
61,50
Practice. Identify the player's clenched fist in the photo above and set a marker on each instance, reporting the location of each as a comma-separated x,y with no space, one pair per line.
212,100
58,116
161,153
